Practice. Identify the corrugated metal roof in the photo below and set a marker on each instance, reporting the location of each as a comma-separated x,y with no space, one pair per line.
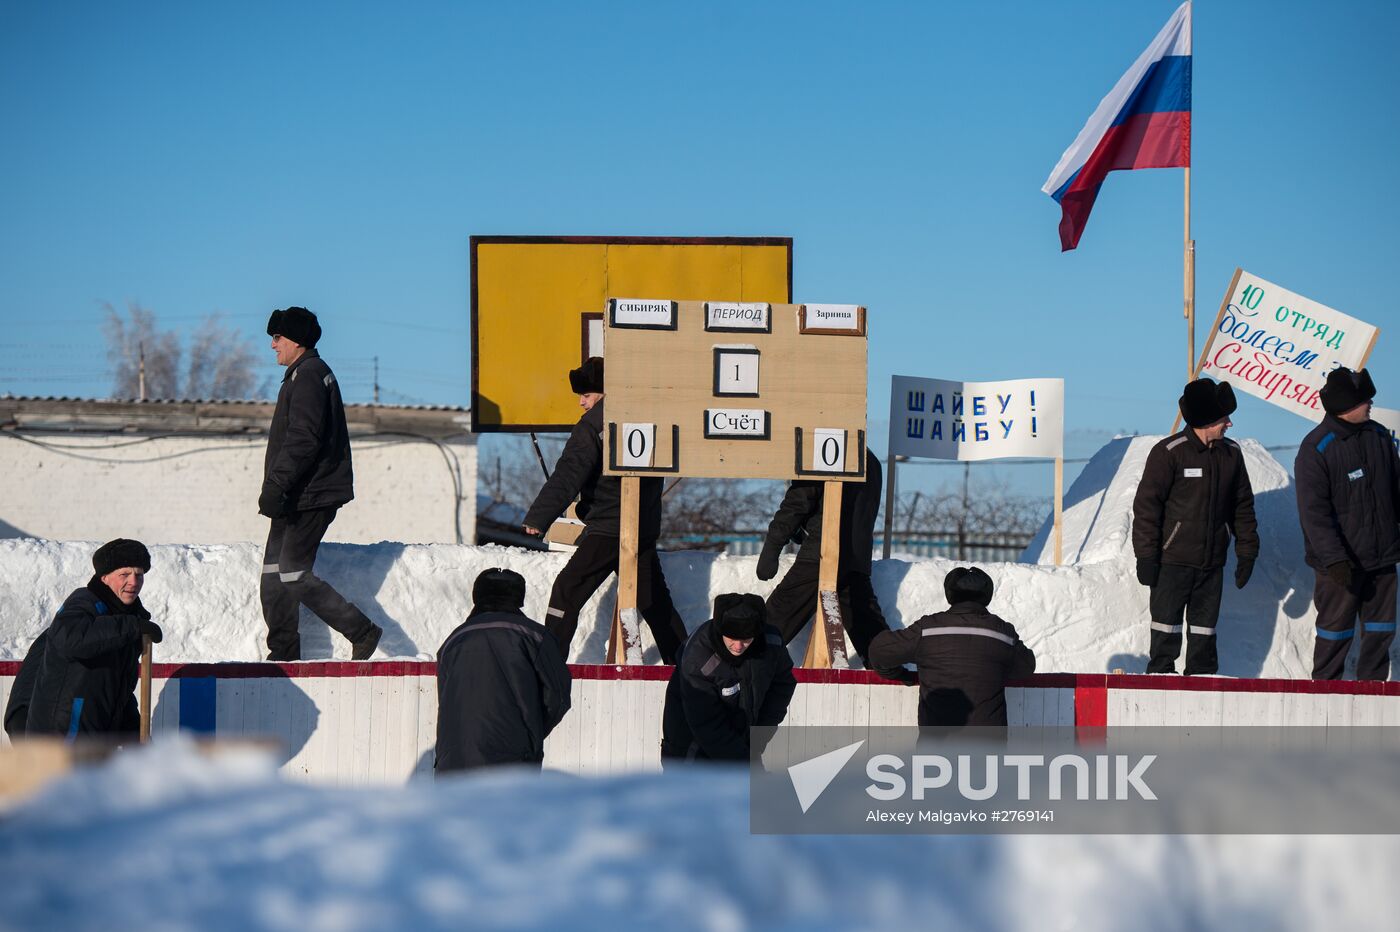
215,401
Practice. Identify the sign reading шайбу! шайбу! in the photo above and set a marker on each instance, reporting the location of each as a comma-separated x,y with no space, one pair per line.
946,420
1279,346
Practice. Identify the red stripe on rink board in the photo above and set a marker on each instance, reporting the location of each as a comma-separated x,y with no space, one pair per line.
1090,706
1080,682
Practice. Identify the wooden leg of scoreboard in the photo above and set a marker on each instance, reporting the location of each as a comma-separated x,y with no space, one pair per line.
624,642
827,645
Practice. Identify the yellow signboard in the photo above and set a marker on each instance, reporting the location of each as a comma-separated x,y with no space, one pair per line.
538,302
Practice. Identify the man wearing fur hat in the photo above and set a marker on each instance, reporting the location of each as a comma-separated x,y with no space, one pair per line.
1349,505
85,667
1194,495
306,478
734,674
502,682
965,655
579,472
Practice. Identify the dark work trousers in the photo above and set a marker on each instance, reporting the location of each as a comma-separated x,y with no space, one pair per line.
1197,592
1370,600
287,581
794,603
594,561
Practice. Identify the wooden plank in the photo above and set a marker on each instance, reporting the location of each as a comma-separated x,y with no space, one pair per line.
383,700
625,642
667,378
427,720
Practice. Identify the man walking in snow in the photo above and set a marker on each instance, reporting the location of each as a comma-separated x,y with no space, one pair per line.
306,478
579,472
502,681
1349,505
1194,494
965,655
82,672
734,673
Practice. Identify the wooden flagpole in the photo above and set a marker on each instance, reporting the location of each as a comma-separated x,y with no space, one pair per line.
1188,258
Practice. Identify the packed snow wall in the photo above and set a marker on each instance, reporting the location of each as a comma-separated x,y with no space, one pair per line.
1088,616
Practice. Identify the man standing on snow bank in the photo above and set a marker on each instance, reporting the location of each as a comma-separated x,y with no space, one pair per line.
1349,505
502,682
86,666
1194,494
579,472
965,655
734,674
306,478
799,520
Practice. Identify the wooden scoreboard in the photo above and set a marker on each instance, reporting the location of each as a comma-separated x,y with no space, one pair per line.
739,390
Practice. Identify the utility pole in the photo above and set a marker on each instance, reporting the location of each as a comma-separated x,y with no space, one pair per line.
141,370
376,380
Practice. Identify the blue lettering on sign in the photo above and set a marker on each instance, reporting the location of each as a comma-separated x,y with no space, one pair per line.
980,431
1006,429
936,432
1005,401
957,403
937,404
916,428
959,432
979,405
916,401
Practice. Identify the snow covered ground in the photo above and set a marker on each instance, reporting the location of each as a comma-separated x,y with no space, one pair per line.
1086,616
166,839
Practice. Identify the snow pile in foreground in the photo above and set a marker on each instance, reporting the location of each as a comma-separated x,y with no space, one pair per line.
165,838
1089,615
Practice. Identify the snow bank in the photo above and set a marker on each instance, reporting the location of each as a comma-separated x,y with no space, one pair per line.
1087,616
166,839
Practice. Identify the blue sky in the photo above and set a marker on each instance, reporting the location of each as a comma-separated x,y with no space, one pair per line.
201,158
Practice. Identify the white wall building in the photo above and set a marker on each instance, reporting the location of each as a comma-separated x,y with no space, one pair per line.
191,471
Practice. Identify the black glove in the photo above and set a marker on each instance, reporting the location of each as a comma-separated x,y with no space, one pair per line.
1147,572
272,502
147,628
768,561
1243,567
799,536
1341,574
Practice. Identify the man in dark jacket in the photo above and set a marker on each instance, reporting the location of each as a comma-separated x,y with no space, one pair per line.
1349,504
799,520
502,682
965,655
306,478
87,668
734,674
579,472
1194,494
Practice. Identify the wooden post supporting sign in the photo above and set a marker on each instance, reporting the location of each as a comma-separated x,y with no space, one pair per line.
827,645
624,642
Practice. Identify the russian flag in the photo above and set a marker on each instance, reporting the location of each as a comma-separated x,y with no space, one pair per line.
1144,122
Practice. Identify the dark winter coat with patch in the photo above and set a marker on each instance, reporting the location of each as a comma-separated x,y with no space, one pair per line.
1348,480
713,697
308,444
17,708
579,473
966,656
86,680
801,512
502,687
1192,497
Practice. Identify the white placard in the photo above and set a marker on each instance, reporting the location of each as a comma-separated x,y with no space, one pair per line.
1279,346
945,420
1388,418
642,313
595,338
831,317
638,445
727,315
742,423
736,371
829,449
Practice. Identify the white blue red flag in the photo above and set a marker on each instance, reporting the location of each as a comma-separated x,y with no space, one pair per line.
1144,122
